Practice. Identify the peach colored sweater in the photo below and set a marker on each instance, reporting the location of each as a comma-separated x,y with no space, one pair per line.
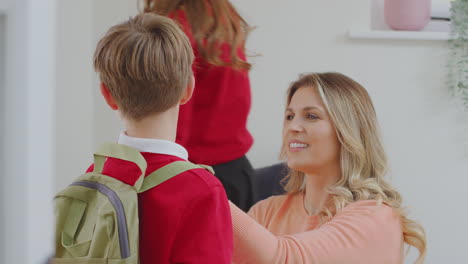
279,230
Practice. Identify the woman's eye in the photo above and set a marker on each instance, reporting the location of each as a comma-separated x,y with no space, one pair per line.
289,117
311,116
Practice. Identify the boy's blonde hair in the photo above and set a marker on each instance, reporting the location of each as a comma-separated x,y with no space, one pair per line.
146,63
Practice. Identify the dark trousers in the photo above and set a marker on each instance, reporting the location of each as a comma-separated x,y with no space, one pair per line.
237,177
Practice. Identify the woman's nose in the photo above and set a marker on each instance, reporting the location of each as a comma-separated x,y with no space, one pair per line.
295,125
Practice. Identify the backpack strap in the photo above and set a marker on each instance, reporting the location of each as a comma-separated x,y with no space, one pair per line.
123,152
74,217
170,170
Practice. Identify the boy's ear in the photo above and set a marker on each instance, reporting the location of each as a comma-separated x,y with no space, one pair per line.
108,97
188,92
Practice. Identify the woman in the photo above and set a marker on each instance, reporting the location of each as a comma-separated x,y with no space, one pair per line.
339,208
213,124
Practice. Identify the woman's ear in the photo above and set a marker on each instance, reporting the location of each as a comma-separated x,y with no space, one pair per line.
108,97
188,91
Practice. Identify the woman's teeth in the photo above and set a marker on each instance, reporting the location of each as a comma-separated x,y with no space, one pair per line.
298,145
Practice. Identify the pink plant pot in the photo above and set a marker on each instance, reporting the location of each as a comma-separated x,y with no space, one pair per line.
407,14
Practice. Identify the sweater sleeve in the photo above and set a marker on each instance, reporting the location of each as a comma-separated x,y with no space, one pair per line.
363,232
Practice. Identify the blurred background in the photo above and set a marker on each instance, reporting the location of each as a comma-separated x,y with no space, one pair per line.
52,116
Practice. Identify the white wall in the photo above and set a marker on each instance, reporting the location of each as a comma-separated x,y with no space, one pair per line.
425,134
2,112
14,219
75,89
28,131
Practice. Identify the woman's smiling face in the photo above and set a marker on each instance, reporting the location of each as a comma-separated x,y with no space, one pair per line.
309,136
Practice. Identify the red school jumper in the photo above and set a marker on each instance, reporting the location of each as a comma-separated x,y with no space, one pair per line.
185,219
213,123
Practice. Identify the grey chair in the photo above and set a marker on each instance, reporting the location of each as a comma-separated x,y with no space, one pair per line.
268,180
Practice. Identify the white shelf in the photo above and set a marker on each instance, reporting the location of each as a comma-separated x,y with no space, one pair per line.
394,34
378,29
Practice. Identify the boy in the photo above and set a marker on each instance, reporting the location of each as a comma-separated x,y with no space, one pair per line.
145,70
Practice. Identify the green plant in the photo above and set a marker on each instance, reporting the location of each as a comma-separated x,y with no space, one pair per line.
458,63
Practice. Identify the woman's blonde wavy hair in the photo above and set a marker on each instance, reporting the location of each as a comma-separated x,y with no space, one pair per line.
362,157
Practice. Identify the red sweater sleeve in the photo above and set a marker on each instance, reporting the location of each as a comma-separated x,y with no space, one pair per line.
205,234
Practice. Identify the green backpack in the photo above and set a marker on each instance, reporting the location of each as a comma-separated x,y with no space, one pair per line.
97,215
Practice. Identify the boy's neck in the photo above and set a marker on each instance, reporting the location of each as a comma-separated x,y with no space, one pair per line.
156,126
